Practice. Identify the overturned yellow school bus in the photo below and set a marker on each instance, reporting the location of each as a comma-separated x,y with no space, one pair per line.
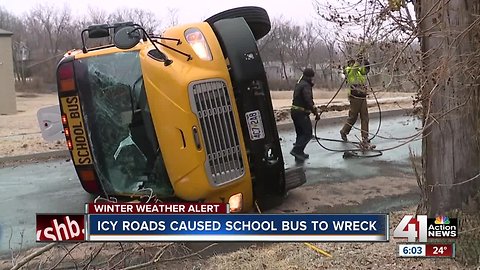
187,115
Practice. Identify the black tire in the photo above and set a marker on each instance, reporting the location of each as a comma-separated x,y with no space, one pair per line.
256,17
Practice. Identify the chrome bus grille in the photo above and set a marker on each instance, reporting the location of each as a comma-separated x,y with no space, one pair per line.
211,103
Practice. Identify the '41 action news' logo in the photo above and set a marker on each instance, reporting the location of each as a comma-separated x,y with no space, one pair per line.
420,228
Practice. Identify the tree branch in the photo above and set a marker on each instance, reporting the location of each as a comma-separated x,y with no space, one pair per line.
33,255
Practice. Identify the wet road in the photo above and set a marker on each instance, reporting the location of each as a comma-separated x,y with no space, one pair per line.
331,166
53,186
36,188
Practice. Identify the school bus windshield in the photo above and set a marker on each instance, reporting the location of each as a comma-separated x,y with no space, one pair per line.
126,153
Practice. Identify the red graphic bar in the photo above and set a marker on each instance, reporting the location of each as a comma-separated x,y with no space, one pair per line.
440,250
60,227
157,208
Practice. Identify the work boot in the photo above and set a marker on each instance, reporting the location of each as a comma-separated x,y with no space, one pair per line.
298,156
366,145
344,136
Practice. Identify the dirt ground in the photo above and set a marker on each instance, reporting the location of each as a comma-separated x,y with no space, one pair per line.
20,133
334,195
344,256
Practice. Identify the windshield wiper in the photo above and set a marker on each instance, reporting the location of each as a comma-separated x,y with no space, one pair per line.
133,104
167,38
167,61
189,57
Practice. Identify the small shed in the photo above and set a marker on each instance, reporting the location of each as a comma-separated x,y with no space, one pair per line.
8,104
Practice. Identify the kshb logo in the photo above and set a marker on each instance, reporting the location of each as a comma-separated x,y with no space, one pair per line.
420,228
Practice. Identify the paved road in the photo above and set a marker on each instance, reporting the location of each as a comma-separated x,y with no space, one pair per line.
36,188
53,186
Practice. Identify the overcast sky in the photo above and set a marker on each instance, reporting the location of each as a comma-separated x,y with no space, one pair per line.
299,11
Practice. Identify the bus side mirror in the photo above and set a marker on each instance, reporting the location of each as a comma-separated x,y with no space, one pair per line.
127,37
98,31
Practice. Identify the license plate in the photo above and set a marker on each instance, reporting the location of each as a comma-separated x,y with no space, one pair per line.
255,125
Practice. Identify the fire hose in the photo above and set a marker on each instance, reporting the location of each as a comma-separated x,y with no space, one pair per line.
359,151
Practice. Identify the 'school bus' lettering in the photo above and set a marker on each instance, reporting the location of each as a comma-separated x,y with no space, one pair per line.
81,150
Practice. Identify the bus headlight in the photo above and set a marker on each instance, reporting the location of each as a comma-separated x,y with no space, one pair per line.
199,44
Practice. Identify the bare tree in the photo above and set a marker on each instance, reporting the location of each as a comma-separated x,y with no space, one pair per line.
96,16
296,47
50,25
13,24
266,44
385,34
301,43
329,45
147,19
275,45
173,16
447,81
451,99
49,33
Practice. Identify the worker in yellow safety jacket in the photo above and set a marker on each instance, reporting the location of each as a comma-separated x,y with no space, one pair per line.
356,77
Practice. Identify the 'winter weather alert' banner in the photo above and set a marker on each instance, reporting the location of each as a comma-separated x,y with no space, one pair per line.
206,222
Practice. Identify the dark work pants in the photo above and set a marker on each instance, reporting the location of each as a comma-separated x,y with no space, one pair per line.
303,128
